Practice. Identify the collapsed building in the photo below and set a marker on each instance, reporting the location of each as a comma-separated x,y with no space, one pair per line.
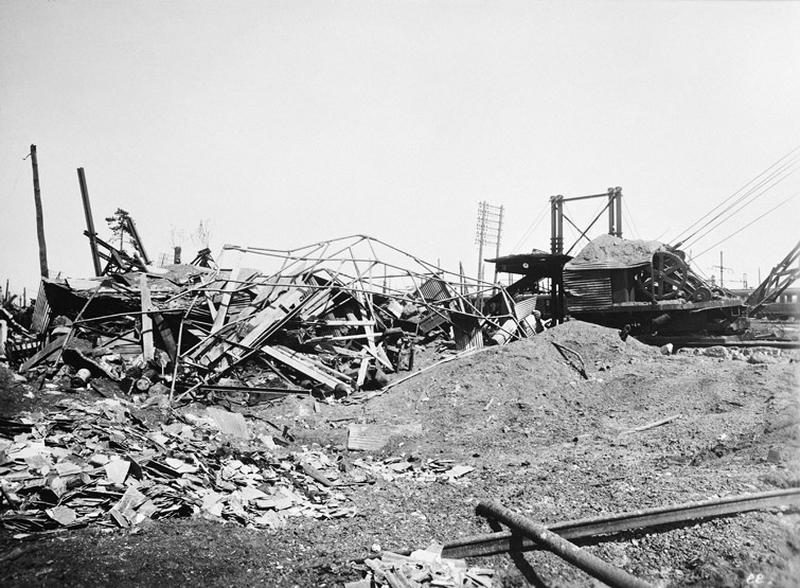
334,317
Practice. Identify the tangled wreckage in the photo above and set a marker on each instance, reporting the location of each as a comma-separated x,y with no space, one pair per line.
334,317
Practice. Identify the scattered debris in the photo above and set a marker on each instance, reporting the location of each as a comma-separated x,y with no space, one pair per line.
374,437
652,425
422,568
100,464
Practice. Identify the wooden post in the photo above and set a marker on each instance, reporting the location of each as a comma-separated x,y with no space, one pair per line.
148,350
87,211
37,199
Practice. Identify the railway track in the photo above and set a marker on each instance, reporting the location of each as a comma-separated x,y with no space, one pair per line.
679,342
596,529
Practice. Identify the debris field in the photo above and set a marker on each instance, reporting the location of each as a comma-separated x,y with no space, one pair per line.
335,415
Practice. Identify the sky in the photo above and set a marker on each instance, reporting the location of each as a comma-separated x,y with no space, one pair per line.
286,123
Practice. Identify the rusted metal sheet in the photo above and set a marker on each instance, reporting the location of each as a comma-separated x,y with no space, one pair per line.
588,289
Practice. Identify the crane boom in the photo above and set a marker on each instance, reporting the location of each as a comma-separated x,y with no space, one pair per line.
781,277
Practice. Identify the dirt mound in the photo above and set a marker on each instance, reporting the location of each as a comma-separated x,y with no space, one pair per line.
610,251
528,387
542,362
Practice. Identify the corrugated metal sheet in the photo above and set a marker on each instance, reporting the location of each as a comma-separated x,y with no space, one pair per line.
434,290
41,312
587,289
525,307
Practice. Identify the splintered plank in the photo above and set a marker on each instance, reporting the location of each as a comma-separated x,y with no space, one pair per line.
230,286
275,312
269,318
42,355
299,363
362,372
41,312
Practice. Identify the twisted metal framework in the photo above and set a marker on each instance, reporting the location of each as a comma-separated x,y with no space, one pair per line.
356,269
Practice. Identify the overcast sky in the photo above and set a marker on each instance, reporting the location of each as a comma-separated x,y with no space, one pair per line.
285,123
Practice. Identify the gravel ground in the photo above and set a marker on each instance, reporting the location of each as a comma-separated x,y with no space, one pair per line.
542,439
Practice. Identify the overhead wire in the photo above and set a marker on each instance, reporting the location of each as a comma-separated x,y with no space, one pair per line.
680,236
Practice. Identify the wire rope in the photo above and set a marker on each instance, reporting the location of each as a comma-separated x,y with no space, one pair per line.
758,218
770,174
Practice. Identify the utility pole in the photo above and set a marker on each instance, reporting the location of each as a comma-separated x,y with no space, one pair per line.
488,230
722,269
37,199
499,234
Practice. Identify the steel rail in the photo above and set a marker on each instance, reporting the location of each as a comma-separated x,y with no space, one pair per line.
581,559
581,530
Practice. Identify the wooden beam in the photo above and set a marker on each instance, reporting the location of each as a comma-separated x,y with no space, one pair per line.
148,350
300,364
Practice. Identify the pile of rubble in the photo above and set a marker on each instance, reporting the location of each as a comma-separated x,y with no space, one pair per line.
105,462
100,463
331,318
423,567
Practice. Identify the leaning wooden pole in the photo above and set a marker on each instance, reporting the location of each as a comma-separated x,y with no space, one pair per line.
591,564
90,232
37,198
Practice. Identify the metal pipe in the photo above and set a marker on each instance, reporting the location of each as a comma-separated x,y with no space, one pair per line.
604,527
583,233
618,193
591,564
611,216
574,198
